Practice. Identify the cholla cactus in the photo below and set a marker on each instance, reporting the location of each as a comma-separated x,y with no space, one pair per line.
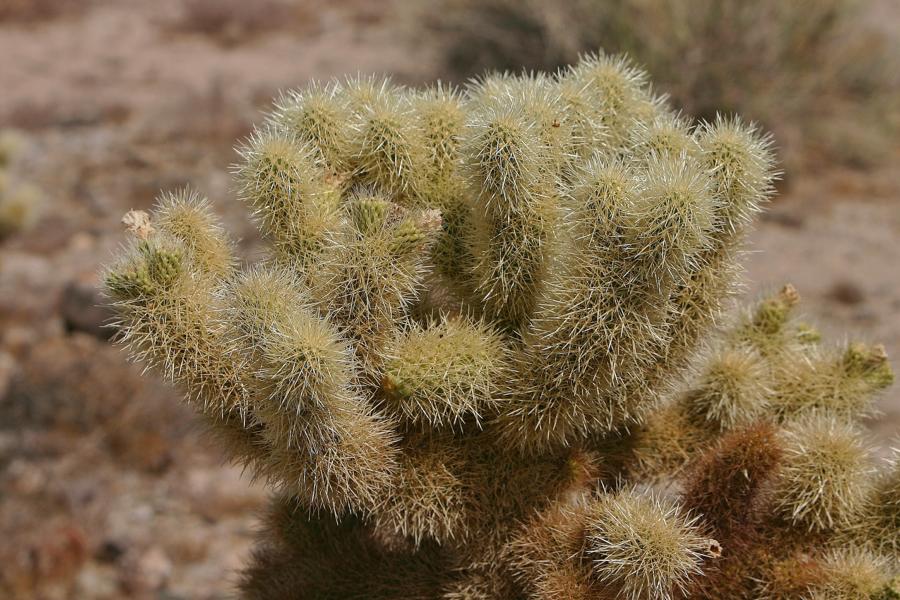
483,358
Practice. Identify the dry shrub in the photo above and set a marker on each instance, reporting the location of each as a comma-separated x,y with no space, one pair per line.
34,11
232,22
813,71
81,386
19,202
43,558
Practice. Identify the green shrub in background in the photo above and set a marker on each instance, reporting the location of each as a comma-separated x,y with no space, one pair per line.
19,202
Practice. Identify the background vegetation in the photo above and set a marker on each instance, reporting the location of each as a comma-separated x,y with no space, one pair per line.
796,67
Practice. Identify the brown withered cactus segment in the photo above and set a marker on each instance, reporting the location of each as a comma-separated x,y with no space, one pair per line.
485,356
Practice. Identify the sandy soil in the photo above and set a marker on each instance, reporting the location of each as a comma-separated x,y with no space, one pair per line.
106,488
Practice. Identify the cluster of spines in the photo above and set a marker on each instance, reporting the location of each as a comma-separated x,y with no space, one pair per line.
267,368
445,374
469,336
307,402
788,492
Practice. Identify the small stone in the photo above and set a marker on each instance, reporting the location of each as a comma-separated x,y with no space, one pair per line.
142,513
109,551
25,479
847,292
97,581
148,572
7,367
84,309
221,493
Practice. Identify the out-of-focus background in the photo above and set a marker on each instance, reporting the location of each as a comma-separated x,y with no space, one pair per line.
107,487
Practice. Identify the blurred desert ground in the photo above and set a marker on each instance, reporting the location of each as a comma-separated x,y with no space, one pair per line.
107,487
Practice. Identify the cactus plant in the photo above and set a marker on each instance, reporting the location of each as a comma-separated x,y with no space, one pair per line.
487,356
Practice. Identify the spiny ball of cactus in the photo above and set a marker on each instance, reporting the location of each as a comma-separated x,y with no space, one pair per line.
825,475
851,574
880,525
485,355
732,390
642,546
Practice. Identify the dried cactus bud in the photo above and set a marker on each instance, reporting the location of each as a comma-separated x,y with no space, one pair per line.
870,364
766,328
138,223
842,384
